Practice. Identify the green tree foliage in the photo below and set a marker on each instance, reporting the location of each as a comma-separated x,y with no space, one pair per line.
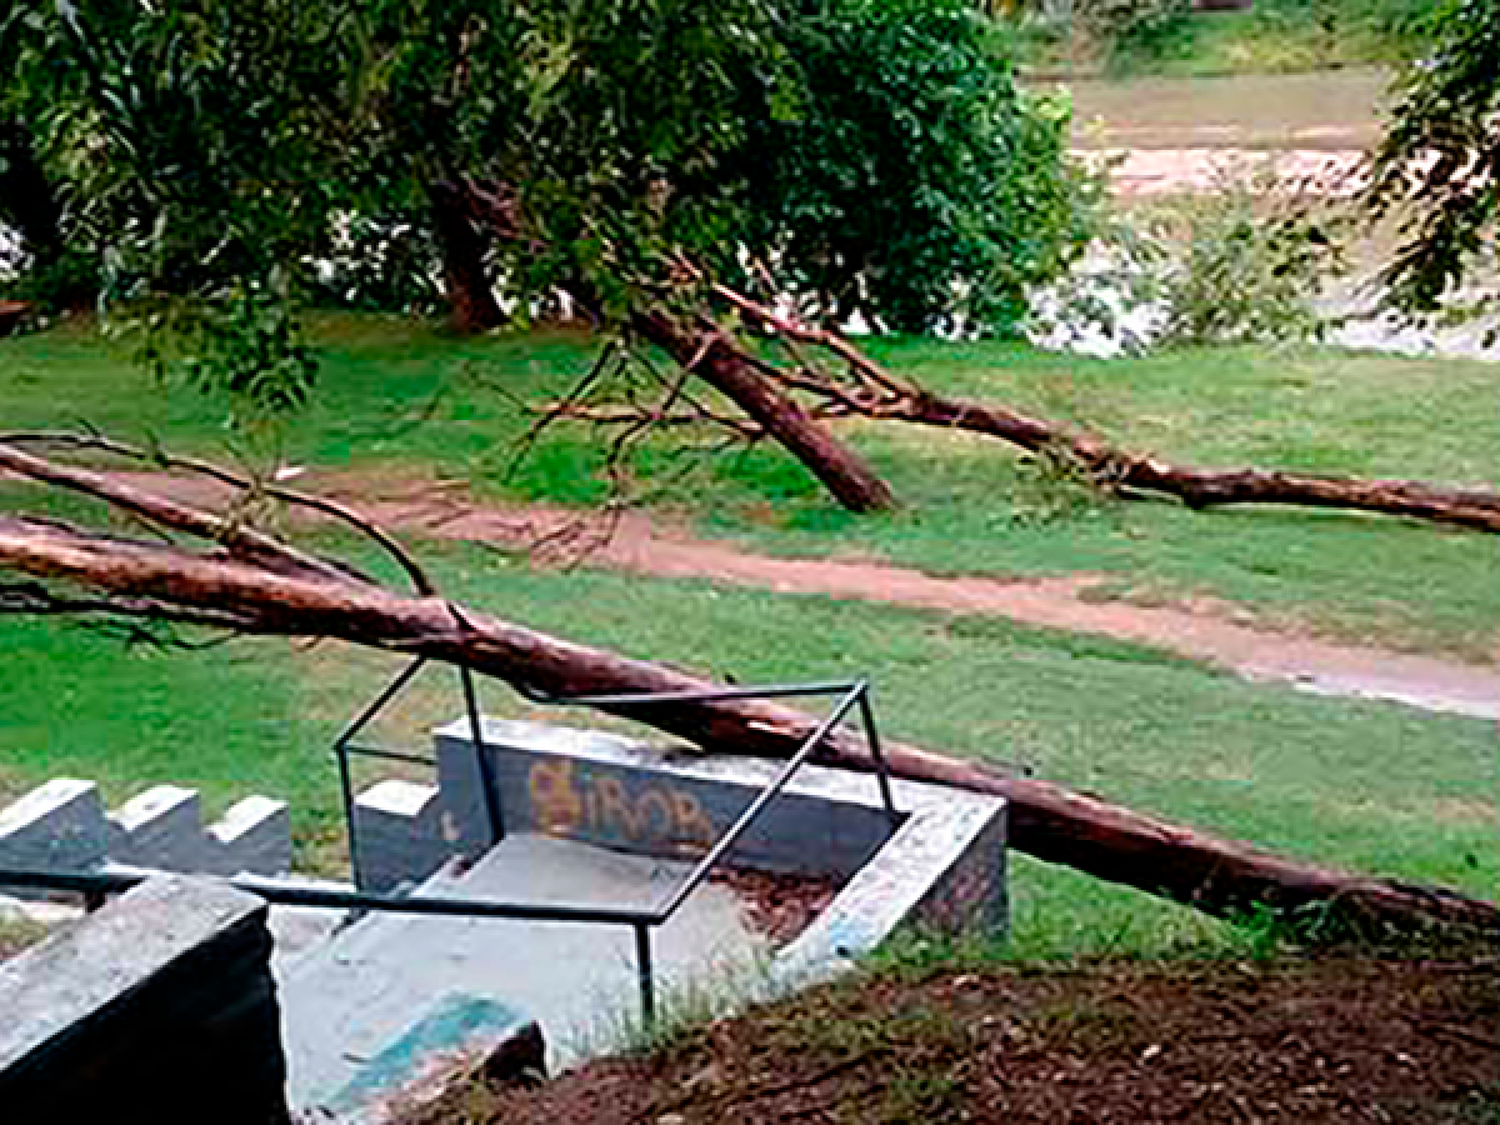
1438,168
904,177
874,153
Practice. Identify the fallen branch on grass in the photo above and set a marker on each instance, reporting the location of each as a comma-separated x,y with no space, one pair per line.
258,585
861,388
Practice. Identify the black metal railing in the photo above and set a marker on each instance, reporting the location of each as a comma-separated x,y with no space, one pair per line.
114,879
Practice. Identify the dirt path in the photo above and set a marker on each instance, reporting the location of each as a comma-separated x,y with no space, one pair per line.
640,546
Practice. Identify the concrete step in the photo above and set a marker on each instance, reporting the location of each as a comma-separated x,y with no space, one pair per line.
383,1000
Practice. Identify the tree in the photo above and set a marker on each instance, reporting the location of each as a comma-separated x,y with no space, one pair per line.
29,200
192,141
873,155
250,582
1438,168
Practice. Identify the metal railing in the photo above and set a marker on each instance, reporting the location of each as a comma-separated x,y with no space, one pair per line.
114,879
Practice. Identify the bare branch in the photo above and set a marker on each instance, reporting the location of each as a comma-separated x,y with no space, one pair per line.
167,513
692,415
879,395
307,500
608,359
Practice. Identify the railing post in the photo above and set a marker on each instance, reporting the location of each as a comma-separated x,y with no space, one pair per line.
645,976
486,767
882,769
341,751
346,788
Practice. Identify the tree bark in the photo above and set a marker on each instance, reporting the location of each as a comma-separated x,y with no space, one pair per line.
1047,820
718,362
871,392
1207,488
466,280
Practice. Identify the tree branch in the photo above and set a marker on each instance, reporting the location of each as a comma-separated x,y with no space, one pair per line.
89,483
1046,820
880,395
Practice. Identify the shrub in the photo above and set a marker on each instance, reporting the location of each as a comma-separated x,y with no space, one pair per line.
1244,263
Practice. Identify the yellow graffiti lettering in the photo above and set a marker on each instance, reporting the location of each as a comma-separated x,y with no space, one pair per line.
555,802
564,803
616,811
690,822
654,801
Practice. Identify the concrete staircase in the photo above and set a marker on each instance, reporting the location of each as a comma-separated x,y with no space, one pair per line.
390,999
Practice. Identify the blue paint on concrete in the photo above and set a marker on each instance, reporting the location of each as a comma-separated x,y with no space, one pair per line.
454,1023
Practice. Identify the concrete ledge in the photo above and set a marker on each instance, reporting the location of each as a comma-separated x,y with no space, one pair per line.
62,826
401,835
161,827
611,791
254,835
159,1008
945,870
945,867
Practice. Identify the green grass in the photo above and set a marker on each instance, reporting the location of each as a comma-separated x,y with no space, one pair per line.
1276,38
1273,37
228,720
392,395
1372,787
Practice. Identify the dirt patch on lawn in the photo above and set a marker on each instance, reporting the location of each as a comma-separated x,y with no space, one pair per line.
640,543
1337,1040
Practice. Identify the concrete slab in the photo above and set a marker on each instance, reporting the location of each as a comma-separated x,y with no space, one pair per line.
347,1002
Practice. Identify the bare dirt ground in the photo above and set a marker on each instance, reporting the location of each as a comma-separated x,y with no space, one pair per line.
636,543
1204,630
1316,1041
1329,110
1169,135
1138,173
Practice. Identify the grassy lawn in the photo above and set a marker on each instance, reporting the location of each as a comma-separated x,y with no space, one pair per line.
1274,37
396,395
1367,786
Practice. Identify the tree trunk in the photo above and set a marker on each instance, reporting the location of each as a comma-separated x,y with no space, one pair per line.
714,359
871,392
1205,488
27,201
720,364
1047,820
466,280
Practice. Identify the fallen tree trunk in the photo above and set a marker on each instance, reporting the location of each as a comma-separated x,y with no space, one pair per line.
1204,488
864,389
715,360
704,351
1047,820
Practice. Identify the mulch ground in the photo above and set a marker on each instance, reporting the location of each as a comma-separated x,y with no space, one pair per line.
778,906
1308,1041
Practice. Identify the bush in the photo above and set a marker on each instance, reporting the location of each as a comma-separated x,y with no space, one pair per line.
1241,264
1247,264
1131,28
